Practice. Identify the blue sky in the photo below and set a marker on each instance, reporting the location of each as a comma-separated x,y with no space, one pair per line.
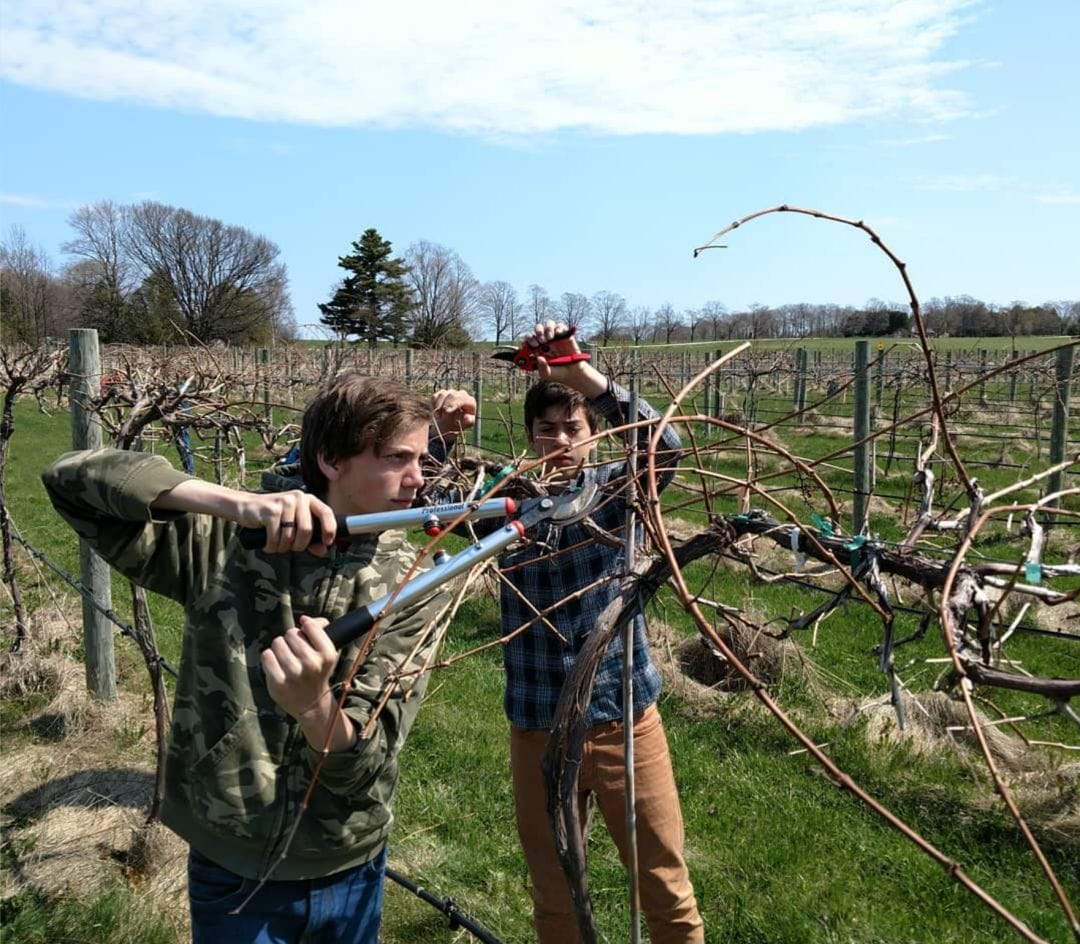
582,146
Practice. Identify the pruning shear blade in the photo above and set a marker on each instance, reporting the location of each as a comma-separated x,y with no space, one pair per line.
569,506
564,508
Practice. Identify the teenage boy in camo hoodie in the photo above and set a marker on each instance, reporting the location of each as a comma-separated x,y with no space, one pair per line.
259,677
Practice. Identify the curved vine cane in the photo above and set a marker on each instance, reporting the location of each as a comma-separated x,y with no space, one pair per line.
563,754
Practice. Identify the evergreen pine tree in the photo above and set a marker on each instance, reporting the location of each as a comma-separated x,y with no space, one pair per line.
373,302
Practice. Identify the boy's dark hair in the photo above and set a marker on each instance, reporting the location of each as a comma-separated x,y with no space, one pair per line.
547,393
352,413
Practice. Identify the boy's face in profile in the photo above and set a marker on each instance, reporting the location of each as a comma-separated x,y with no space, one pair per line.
371,482
556,429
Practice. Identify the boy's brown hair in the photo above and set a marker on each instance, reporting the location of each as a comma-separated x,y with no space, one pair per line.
547,393
351,414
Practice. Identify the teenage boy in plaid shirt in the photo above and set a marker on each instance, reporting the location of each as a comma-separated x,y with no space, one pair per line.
562,412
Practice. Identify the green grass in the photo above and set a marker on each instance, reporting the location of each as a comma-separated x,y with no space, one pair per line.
37,441
777,853
115,916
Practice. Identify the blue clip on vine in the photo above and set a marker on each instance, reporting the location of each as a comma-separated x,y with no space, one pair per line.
492,480
853,547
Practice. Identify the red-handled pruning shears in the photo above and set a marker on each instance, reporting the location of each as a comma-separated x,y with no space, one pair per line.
524,357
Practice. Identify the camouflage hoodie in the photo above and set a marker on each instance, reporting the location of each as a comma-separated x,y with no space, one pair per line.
237,765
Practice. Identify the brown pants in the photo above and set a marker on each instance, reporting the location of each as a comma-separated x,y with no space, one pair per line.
667,897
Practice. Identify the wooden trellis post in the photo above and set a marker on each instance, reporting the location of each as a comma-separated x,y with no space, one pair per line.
1059,430
802,361
264,365
85,360
712,382
862,431
478,394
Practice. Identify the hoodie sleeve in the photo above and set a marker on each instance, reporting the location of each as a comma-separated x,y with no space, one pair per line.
105,495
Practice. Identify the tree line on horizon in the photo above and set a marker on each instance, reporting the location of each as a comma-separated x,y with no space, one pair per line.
147,273
150,273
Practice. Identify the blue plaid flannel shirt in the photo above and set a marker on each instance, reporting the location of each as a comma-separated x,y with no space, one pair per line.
557,564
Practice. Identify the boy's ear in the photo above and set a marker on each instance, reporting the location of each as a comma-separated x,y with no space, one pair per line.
529,435
328,468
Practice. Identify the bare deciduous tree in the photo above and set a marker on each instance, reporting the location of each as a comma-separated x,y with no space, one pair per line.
711,317
35,304
446,295
609,314
539,305
667,323
106,276
499,305
574,308
220,276
639,323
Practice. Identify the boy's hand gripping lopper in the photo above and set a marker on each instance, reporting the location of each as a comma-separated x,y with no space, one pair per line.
429,517
524,357
571,505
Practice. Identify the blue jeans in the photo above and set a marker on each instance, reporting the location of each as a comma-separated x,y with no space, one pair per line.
344,908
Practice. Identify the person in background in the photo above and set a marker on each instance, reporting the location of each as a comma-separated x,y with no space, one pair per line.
568,575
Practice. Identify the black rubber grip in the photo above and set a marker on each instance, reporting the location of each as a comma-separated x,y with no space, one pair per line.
350,626
254,538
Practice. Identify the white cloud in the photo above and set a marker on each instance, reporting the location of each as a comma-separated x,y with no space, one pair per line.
921,139
1059,198
965,183
499,67
252,145
33,202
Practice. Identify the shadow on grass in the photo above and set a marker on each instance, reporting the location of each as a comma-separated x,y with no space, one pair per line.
85,789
